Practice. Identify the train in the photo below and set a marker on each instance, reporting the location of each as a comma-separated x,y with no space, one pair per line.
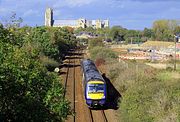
95,87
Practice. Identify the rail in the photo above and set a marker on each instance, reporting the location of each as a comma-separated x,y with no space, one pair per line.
66,79
99,113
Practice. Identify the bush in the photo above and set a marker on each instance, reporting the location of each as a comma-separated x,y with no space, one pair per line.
102,53
50,64
28,91
148,94
137,100
95,42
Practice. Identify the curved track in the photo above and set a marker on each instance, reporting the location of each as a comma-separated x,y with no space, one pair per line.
75,93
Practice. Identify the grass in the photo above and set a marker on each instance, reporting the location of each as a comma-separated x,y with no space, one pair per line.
164,76
157,44
149,95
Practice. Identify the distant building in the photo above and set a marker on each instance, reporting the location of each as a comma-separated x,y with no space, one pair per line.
73,23
49,17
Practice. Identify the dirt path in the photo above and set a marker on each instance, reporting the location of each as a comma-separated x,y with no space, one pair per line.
82,113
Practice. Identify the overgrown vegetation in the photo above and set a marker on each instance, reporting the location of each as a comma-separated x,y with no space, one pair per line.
95,42
99,52
102,53
148,95
28,90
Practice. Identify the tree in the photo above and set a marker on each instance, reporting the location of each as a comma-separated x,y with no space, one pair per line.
164,29
95,42
13,22
177,30
117,33
148,33
28,91
133,36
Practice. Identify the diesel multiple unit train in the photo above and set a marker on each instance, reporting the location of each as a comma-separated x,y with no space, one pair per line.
95,89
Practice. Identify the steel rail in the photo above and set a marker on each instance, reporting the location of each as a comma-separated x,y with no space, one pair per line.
65,84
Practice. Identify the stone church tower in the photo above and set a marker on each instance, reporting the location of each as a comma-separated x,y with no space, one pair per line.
49,17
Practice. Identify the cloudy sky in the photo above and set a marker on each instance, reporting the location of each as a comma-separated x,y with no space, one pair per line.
131,14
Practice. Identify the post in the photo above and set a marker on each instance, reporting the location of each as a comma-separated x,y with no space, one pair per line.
175,53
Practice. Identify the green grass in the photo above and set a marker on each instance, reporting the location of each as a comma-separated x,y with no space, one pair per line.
164,75
148,95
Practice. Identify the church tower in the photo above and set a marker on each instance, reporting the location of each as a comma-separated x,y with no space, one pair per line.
49,17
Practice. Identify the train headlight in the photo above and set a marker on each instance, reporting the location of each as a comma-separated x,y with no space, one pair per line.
102,102
103,97
89,101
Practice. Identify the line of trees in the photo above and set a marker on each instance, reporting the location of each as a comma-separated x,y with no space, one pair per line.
162,30
29,91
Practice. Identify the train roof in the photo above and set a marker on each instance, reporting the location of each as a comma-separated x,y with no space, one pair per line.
90,70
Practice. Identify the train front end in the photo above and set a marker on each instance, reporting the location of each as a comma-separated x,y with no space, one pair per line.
95,93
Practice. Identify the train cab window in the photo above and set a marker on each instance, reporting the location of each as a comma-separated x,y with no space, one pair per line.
92,88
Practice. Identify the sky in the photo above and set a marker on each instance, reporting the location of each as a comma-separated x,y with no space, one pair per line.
130,14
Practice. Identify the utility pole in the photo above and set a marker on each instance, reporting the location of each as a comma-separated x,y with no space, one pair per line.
175,40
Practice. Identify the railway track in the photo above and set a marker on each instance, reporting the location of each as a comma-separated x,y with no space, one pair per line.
95,114
104,116
74,91
66,79
70,85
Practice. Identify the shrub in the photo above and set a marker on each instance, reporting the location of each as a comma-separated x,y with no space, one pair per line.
28,91
102,53
95,42
49,63
148,95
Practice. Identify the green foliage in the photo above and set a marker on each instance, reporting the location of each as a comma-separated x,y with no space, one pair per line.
177,30
117,33
28,91
164,76
8,37
95,42
48,62
148,95
24,86
102,53
138,99
52,42
54,100
100,31
147,32
164,29
88,29
133,36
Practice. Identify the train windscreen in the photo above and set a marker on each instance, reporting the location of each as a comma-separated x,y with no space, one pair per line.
95,88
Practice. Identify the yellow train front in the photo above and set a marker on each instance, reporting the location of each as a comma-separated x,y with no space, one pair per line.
95,89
